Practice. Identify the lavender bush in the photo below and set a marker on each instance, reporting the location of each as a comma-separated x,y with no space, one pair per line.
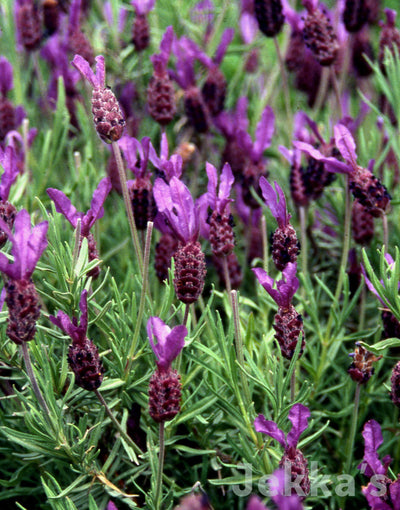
220,326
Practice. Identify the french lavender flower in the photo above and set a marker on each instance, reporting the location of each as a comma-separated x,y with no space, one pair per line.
278,490
365,187
215,211
141,188
22,299
107,115
319,34
8,161
51,12
165,385
361,369
160,92
141,29
10,116
64,206
382,493
355,15
285,246
389,38
83,355
77,42
175,203
27,21
288,324
293,460
269,16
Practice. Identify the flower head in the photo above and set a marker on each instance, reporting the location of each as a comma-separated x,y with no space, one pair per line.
77,331
96,211
9,162
160,60
6,76
298,415
143,7
170,342
28,244
175,202
275,200
171,166
285,288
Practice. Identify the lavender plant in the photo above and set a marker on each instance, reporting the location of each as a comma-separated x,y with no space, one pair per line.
101,407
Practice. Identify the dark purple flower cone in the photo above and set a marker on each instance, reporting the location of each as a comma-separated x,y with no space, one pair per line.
395,380
165,250
190,272
320,37
234,270
308,77
362,223
107,115
79,44
51,16
222,238
141,32
7,117
250,179
269,16
285,246
293,461
316,178
362,47
214,91
298,187
390,36
294,57
196,110
235,156
391,325
164,394
93,254
370,192
7,214
143,204
288,325
29,26
85,363
361,370
161,99
355,14
23,308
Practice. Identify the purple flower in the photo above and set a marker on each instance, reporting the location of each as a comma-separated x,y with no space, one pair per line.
255,503
28,244
298,415
131,148
280,491
96,211
381,493
275,200
248,24
286,288
263,136
97,79
160,60
185,59
75,330
170,167
6,76
175,202
143,7
9,162
170,342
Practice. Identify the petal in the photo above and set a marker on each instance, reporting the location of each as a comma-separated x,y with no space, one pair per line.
331,164
166,42
248,27
226,39
264,132
6,76
270,428
255,503
298,415
212,185
84,310
158,330
226,182
100,71
175,342
267,282
37,243
373,439
96,210
345,143
128,145
278,209
9,162
280,491
84,68
63,205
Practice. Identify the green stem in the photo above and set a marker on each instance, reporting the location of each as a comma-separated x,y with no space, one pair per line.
34,383
239,348
350,443
337,92
127,439
161,454
303,230
142,298
344,259
293,385
385,231
77,246
226,273
284,85
128,205
186,314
